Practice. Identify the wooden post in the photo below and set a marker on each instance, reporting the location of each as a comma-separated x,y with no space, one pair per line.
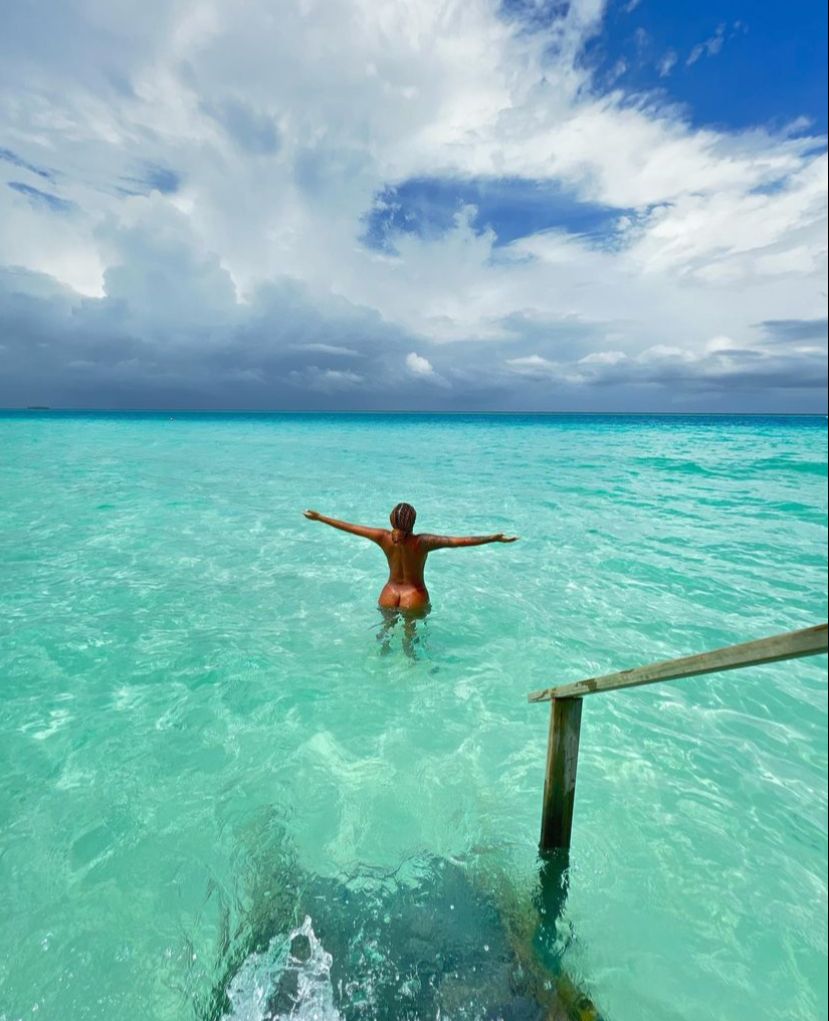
560,779
565,712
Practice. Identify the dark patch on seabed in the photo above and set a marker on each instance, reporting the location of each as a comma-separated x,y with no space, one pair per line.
436,943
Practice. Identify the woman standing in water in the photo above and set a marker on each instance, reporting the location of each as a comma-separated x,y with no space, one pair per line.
405,592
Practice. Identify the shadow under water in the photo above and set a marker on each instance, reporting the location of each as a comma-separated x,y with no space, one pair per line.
427,941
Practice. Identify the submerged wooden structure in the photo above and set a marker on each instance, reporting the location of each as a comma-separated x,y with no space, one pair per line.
566,707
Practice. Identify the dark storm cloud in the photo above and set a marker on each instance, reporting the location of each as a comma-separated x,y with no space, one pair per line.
286,349
795,330
171,331
275,351
730,372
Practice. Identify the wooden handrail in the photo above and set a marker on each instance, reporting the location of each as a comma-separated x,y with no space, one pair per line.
791,645
565,712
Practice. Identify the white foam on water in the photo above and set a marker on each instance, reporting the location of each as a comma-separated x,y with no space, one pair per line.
256,983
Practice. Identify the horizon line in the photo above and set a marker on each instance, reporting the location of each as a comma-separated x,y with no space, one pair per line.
33,409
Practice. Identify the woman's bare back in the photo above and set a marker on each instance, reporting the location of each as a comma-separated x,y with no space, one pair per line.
406,556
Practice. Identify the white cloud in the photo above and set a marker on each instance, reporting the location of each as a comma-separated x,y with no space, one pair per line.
332,349
710,46
281,131
419,366
538,367
531,362
617,71
667,63
603,358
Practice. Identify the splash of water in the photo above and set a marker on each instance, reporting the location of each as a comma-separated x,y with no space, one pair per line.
290,981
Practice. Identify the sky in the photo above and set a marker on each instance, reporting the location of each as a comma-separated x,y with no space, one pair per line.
449,205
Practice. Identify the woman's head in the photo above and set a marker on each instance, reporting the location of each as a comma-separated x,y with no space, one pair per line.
402,518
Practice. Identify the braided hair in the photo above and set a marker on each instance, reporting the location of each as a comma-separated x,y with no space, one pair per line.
402,520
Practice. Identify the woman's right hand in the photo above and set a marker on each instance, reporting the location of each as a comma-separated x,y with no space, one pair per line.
500,537
312,515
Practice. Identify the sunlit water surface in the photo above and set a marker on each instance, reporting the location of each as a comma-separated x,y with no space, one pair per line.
197,717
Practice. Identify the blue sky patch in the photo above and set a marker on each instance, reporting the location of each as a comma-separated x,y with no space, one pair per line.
730,63
534,15
511,207
42,199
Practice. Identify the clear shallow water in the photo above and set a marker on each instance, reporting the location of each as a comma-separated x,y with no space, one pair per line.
194,707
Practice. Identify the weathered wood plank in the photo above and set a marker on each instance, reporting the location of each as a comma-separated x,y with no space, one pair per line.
791,645
560,778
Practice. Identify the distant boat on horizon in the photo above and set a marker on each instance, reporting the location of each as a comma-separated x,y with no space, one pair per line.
38,407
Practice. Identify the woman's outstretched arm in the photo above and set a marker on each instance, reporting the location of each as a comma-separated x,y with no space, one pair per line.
375,534
432,542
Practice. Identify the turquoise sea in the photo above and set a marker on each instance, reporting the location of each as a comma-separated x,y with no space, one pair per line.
221,798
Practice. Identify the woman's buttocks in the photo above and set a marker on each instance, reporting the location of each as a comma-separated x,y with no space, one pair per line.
404,595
